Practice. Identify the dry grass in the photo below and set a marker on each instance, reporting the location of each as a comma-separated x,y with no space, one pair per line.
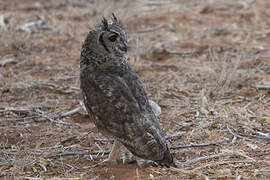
207,63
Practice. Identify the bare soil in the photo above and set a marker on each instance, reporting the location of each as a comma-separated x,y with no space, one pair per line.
206,63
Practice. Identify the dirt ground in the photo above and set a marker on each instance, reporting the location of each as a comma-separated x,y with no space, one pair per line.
206,63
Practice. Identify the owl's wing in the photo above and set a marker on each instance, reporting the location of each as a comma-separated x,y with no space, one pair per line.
117,112
136,87
111,101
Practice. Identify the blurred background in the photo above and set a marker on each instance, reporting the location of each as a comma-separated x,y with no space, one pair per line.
206,63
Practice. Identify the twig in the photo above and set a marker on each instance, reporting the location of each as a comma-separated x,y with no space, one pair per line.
74,153
55,178
231,130
56,87
226,176
262,135
96,165
169,136
71,167
68,113
26,26
237,153
203,158
35,112
68,139
184,53
99,147
41,114
226,152
9,60
234,134
14,110
263,86
199,145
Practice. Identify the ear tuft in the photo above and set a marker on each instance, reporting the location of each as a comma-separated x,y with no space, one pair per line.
104,24
114,19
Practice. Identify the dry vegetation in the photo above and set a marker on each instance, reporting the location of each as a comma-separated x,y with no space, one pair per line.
207,63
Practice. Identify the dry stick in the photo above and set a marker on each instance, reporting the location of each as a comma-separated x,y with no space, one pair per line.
263,87
68,165
199,145
68,113
43,166
262,134
15,110
41,114
58,88
67,139
226,176
38,113
183,53
228,152
95,165
266,136
31,178
190,172
169,136
18,111
239,136
29,118
72,153
202,159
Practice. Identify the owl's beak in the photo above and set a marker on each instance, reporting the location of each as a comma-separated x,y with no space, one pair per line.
124,46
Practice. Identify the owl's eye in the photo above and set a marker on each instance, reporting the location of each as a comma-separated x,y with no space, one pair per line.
113,37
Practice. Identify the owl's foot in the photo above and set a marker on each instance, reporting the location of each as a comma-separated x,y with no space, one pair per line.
127,157
121,153
142,162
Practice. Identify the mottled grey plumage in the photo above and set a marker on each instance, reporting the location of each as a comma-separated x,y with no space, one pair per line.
114,97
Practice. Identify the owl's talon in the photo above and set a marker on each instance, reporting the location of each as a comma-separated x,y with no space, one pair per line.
142,162
126,156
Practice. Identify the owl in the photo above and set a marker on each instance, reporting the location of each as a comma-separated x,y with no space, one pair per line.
114,96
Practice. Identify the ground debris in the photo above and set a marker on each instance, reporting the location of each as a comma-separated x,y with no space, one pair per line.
206,63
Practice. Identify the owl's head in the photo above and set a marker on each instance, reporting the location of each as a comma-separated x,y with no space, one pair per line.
112,37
